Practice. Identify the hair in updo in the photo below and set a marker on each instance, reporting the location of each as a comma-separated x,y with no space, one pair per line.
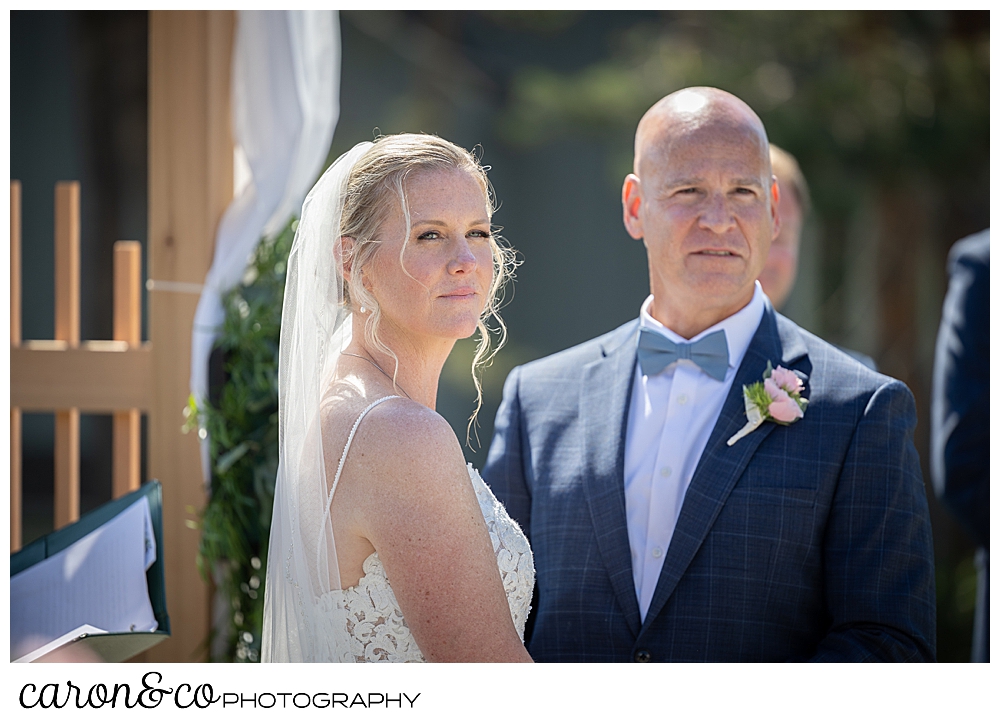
375,181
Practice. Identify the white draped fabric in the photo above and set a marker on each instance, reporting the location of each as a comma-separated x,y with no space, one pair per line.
286,101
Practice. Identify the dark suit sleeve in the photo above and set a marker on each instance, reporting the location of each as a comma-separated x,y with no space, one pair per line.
504,470
879,558
960,414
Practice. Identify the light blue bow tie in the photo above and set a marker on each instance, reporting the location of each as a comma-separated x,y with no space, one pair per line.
711,353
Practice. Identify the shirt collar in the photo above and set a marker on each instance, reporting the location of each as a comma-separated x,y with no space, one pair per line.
739,328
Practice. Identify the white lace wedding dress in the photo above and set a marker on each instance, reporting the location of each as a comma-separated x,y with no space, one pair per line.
377,628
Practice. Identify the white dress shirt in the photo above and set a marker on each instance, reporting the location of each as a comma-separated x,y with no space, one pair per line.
671,417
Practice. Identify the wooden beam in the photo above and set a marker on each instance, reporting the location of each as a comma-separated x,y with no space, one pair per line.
95,377
128,328
126,452
67,306
128,292
67,262
67,465
190,185
15,341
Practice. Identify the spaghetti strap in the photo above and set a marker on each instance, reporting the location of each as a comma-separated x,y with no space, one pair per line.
347,446
340,467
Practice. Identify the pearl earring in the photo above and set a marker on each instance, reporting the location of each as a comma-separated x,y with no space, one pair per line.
362,310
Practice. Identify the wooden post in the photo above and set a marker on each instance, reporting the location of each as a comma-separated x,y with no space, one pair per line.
67,375
67,306
127,328
15,341
190,185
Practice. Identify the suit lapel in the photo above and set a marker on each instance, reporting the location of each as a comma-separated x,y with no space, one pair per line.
776,340
604,401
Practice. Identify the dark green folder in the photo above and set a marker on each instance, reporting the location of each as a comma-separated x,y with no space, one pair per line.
111,647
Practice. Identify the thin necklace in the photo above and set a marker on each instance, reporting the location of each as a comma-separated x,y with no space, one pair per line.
372,362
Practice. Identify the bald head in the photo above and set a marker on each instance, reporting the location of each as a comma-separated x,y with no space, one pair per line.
704,202
695,114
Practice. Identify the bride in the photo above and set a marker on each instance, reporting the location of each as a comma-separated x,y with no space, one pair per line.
384,545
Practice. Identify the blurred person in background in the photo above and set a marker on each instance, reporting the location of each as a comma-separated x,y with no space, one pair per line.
960,412
782,266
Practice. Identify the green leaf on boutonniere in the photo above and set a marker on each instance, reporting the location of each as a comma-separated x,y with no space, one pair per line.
776,399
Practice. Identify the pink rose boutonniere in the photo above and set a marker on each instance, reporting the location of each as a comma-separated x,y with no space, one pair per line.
778,398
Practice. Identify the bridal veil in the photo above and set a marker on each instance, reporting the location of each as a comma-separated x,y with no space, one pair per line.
304,619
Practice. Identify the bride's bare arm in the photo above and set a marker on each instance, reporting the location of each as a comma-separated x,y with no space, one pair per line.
412,498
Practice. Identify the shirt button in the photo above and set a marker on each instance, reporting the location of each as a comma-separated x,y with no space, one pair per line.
657,552
665,472
682,399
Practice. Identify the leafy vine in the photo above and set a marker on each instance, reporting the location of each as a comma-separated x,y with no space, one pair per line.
240,420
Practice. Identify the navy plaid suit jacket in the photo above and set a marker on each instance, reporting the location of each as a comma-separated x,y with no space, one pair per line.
803,542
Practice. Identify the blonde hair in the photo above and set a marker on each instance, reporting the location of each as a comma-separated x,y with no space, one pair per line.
377,177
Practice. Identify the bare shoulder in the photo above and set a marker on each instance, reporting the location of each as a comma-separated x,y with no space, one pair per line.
409,423
408,432
401,444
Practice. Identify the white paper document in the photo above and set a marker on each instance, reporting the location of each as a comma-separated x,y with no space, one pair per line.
99,582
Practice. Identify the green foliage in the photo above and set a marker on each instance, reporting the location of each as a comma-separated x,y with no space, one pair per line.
759,396
242,427
873,105
882,93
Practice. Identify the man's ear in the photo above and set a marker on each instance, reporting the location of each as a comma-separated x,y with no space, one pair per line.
631,202
775,215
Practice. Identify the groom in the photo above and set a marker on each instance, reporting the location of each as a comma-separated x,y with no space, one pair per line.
654,538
